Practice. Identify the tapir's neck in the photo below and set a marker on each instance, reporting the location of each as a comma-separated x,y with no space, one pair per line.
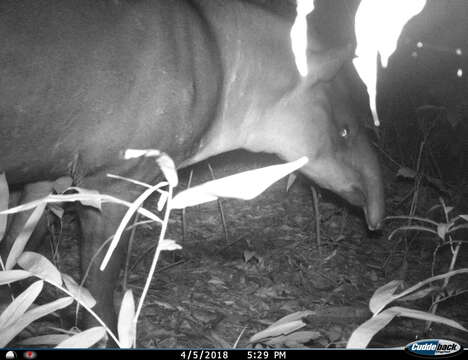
258,70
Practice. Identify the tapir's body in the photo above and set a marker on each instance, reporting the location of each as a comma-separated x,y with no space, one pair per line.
82,80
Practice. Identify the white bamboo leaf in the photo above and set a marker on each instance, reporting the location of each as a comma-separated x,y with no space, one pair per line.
84,197
9,276
7,334
168,168
133,208
52,339
23,237
84,339
383,295
4,197
361,337
245,185
93,198
41,267
169,245
78,292
126,326
21,304
278,330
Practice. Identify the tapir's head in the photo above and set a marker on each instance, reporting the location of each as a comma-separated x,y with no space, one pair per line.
319,119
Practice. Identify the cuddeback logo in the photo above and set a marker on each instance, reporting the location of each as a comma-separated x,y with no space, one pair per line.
433,347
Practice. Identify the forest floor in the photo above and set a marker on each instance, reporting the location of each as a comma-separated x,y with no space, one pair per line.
230,282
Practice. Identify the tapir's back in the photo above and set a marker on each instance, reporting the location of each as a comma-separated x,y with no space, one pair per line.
95,77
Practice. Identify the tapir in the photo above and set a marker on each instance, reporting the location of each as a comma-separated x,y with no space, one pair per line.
83,80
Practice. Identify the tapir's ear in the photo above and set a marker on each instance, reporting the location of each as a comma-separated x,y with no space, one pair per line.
323,65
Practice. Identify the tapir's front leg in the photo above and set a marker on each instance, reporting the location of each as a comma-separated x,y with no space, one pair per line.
98,226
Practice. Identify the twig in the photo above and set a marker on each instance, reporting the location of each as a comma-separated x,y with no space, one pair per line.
221,211
317,219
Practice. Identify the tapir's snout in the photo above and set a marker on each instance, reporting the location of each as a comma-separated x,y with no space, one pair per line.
374,209
370,198
363,189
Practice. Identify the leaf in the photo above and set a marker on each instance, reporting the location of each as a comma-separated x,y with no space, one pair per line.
79,292
23,237
81,198
249,254
21,304
417,218
245,185
442,230
428,281
169,245
61,184
57,210
361,337
283,326
93,198
4,196
273,331
168,168
84,339
301,337
420,294
295,339
406,173
135,205
136,153
411,227
39,266
163,160
291,180
132,181
298,315
383,295
426,316
10,332
126,326
163,196
52,339
9,276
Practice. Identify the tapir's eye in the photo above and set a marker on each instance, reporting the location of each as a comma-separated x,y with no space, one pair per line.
344,132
